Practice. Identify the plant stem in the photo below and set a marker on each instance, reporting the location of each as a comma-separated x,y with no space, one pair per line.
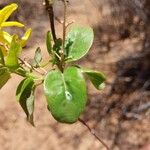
49,8
62,63
33,68
93,133
45,64
64,27
22,72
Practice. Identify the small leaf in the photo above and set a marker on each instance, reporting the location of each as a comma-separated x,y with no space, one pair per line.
7,11
12,23
56,51
1,57
5,40
26,37
14,51
4,76
78,42
97,78
67,48
30,107
6,36
66,94
49,42
24,84
25,96
57,46
37,57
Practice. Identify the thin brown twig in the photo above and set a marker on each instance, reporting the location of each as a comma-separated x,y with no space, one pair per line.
49,8
31,67
70,23
64,25
62,62
42,69
93,133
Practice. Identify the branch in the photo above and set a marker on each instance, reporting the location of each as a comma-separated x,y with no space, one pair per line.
93,133
32,68
64,25
62,62
49,8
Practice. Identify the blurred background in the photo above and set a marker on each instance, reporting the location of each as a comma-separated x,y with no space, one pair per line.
120,114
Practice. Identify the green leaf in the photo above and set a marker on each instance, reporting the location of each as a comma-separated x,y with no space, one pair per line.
14,51
1,57
57,46
37,57
78,42
66,94
97,78
25,96
49,42
56,51
4,76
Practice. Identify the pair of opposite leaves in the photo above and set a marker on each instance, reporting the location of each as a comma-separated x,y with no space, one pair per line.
66,92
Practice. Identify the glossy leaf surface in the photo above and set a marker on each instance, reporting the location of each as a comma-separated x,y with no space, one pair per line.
37,57
25,96
78,42
66,94
97,78
14,51
4,76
